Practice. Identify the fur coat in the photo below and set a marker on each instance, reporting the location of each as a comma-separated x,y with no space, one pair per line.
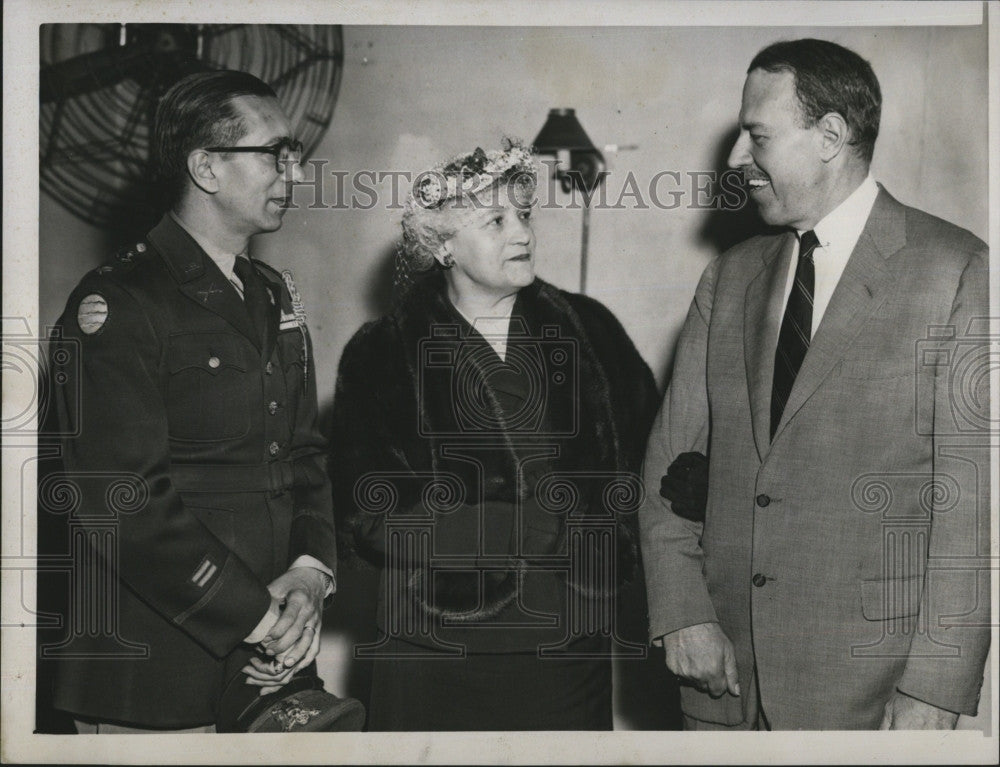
495,462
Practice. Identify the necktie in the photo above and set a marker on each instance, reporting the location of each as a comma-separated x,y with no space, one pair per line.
796,329
254,296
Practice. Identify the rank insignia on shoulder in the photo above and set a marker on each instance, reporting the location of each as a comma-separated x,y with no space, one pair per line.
92,313
127,253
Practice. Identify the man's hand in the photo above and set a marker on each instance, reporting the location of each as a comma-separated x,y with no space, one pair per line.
685,485
905,713
294,638
703,655
269,674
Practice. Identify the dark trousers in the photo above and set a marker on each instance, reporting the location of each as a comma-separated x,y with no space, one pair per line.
490,692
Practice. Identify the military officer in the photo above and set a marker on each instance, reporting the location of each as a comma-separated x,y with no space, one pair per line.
196,384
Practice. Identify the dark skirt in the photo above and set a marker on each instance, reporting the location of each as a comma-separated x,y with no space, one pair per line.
517,691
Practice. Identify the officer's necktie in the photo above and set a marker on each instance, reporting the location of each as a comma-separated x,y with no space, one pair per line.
796,329
254,295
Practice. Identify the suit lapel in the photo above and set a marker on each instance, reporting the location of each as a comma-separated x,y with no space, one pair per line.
862,288
198,276
761,322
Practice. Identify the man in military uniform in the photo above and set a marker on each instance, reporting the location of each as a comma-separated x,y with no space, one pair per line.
195,383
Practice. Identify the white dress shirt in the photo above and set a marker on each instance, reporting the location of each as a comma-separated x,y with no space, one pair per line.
494,329
838,232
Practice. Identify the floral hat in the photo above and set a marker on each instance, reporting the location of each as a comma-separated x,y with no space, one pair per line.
472,173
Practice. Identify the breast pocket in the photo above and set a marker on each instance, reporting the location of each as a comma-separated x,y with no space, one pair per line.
878,369
209,390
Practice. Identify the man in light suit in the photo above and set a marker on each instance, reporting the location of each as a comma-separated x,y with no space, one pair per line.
832,372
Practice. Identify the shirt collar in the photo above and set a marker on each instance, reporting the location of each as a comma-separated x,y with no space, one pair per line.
843,225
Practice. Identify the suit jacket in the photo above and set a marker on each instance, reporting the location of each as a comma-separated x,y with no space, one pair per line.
193,447
845,558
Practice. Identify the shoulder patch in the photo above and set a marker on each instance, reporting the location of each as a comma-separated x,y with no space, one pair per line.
92,313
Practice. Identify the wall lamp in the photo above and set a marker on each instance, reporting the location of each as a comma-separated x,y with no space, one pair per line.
579,166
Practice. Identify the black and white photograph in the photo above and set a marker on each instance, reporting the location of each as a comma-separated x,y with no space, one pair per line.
500,383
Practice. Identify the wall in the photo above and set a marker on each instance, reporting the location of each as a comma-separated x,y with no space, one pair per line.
414,95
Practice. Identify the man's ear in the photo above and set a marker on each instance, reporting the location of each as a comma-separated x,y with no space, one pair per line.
834,133
199,168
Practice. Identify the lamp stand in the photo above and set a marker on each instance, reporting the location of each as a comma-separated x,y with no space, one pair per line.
584,239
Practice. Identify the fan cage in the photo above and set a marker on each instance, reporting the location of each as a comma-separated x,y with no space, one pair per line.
94,137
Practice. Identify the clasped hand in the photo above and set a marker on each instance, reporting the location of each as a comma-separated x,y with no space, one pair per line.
292,643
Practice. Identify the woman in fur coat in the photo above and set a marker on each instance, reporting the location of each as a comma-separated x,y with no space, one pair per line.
489,432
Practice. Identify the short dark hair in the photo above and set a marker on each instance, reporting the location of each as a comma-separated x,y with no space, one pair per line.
830,78
196,112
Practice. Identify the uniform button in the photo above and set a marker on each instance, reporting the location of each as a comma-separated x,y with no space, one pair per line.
272,407
141,247
269,368
273,448
759,580
763,500
213,362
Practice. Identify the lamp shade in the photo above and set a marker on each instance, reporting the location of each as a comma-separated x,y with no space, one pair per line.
562,131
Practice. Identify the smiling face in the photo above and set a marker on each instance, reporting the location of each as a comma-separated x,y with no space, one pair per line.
253,195
493,249
781,160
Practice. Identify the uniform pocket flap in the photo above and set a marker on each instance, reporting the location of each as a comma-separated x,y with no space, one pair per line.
886,598
211,352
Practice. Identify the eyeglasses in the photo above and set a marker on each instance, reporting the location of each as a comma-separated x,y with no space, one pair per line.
284,151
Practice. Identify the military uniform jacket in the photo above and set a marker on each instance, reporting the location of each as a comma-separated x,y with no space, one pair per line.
213,434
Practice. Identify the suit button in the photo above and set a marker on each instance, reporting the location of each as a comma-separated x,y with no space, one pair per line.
273,448
272,407
213,362
759,580
763,500
269,367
